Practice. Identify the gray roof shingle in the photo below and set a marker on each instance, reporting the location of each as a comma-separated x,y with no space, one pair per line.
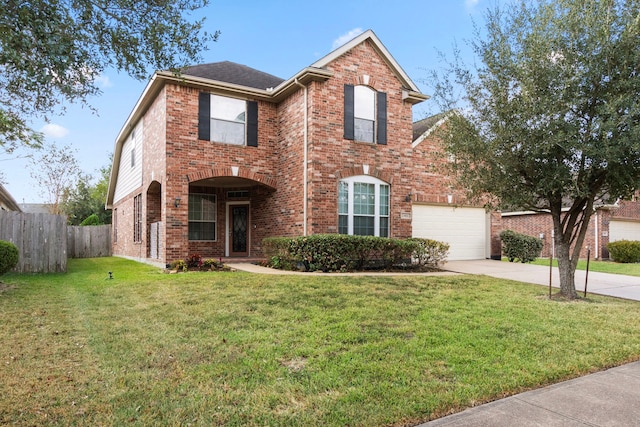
421,126
230,72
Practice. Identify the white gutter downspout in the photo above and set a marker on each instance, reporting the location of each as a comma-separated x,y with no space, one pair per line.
305,156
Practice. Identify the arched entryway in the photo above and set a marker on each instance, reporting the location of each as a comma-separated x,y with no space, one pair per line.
155,246
229,214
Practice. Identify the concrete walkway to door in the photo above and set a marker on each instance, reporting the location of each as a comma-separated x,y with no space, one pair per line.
614,285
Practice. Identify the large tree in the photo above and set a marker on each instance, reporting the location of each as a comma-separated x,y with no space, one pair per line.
52,51
549,114
55,170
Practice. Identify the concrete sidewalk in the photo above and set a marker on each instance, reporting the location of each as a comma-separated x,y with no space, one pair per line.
614,285
607,398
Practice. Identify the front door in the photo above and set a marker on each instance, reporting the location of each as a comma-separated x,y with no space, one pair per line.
239,217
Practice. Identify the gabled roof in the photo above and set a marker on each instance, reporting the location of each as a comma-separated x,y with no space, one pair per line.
423,128
7,201
237,74
231,79
407,83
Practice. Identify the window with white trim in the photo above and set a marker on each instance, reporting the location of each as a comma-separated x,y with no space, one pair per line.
364,113
202,216
228,120
363,206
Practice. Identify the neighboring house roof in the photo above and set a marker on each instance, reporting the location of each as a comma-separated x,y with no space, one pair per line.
36,208
219,77
423,128
230,72
7,202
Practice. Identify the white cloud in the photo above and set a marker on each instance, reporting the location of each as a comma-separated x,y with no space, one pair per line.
346,37
103,81
471,4
53,130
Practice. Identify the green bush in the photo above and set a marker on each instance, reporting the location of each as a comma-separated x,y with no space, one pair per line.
92,219
340,252
8,256
625,251
430,252
516,246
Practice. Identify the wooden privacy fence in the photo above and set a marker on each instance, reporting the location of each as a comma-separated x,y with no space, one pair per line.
45,241
41,240
91,241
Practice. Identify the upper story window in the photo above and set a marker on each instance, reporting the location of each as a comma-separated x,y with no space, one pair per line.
227,120
365,114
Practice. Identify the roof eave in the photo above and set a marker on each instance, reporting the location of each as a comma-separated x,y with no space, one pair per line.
413,97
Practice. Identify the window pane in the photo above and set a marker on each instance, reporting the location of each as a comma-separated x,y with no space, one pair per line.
202,217
228,109
343,197
384,200
363,225
343,224
208,208
202,231
384,226
364,199
364,103
363,130
228,132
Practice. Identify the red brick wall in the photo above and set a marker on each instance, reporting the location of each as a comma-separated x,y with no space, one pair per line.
332,157
174,159
534,225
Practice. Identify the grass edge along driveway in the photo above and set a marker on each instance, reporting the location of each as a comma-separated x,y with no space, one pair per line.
148,348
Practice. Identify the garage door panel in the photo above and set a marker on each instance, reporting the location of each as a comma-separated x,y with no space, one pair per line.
464,229
624,230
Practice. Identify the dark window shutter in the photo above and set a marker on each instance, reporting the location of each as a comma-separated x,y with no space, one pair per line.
204,116
381,117
348,112
252,123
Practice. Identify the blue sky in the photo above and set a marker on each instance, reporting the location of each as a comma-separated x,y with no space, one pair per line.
278,37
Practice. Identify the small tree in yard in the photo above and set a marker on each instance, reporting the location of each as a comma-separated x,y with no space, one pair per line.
550,115
55,170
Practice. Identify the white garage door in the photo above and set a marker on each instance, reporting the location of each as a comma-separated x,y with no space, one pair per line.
465,229
624,230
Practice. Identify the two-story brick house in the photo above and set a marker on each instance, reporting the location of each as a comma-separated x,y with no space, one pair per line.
222,156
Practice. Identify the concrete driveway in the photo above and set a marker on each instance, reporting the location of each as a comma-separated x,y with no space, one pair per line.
614,285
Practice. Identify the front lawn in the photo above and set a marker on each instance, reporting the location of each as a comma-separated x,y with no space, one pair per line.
237,349
628,269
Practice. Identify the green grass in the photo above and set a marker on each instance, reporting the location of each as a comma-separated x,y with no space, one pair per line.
237,349
599,266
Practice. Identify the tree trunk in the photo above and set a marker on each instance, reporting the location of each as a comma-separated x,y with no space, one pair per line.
567,269
570,229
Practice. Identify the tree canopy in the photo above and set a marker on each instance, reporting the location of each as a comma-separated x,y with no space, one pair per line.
52,51
548,118
85,199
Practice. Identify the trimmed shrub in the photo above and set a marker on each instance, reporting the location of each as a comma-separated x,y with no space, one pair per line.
92,219
430,252
625,251
341,252
8,256
516,246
